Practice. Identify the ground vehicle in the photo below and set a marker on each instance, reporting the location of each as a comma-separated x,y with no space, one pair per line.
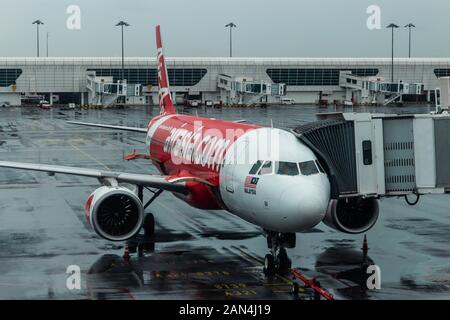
192,103
71,106
5,104
44,104
287,101
348,103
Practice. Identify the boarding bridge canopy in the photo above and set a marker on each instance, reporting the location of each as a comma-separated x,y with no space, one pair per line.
248,90
376,155
103,91
373,84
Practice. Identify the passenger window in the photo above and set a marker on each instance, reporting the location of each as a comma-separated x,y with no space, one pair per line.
287,168
308,168
266,168
256,167
321,169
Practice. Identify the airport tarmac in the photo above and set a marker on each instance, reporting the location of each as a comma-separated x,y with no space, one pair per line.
196,254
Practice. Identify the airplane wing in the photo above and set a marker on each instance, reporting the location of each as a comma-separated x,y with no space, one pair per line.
152,181
107,126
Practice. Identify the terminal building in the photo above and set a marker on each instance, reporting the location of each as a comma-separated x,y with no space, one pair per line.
226,80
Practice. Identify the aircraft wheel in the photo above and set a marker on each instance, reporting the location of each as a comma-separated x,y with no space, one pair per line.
295,289
284,262
269,265
149,225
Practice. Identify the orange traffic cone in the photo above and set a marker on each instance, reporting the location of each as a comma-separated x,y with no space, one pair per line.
365,249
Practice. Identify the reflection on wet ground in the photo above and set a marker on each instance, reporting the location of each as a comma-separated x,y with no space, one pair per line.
195,254
182,272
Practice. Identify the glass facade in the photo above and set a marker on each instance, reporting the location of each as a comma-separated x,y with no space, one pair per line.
314,77
177,77
442,73
8,77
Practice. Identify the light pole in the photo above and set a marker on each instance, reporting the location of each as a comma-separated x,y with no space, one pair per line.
392,26
123,24
410,25
231,25
47,44
37,23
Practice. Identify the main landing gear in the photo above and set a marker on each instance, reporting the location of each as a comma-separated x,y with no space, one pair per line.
145,242
277,261
149,225
149,220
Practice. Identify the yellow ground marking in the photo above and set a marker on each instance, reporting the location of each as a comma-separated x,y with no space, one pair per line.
90,157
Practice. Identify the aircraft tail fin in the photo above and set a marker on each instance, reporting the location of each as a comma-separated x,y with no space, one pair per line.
165,99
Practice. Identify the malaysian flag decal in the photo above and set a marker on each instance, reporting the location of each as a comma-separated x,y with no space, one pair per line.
251,183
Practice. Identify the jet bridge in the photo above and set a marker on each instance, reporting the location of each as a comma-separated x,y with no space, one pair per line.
382,155
248,91
103,91
373,90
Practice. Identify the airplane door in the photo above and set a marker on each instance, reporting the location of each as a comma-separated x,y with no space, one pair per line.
238,162
228,176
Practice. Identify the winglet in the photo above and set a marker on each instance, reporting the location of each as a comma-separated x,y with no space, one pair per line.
165,99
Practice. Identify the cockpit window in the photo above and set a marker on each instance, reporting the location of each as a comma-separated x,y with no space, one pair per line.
256,167
266,168
308,168
321,169
286,168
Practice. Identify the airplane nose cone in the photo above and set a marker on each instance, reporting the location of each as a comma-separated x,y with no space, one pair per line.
304,206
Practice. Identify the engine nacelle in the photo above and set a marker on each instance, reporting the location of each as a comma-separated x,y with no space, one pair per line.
115,213
352,215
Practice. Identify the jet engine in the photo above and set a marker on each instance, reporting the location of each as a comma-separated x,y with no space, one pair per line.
352,215
115,213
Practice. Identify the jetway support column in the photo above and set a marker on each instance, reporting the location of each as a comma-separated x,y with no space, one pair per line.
174,98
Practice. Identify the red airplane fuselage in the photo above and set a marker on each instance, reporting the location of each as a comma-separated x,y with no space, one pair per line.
183,146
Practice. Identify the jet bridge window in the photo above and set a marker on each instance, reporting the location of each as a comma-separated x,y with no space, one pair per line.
256,167
286,168
308,168
367,152
266,168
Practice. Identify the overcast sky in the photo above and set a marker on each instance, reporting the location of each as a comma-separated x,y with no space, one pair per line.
276,28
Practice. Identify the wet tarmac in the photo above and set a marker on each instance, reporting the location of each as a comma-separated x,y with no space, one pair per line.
196,254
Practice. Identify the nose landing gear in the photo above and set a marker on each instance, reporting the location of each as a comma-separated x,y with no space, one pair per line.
277,261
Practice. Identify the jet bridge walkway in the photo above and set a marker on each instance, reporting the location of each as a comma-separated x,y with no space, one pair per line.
382,155
374,90
103,91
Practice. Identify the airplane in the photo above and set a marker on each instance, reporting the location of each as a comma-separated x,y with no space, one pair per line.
263,175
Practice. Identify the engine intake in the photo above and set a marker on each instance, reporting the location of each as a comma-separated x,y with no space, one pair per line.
352,215
115,213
